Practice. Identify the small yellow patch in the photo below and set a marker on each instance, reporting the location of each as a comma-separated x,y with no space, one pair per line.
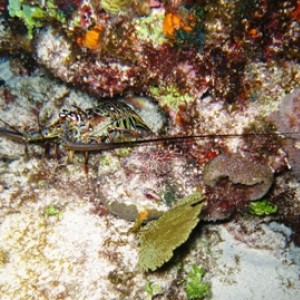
142,216
91,39
173,22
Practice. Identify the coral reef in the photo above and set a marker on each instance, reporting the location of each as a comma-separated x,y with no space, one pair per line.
227,72
285,197
98,78
107,50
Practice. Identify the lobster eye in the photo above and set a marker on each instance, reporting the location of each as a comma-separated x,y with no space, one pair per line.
45,132
73,116
63,113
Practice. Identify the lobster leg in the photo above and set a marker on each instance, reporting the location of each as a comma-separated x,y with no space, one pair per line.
86,163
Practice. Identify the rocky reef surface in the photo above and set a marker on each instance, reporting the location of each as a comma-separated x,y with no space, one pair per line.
225,71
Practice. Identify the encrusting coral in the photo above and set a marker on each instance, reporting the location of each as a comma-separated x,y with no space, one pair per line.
287,119
238,170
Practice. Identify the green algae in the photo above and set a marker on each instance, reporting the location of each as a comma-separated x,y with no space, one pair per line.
31,15
150,28
262,207
52,211
196,288
152,289
170,96
34,16
160,238
115,6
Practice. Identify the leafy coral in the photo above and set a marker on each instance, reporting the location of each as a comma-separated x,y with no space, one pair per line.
160,238
232,182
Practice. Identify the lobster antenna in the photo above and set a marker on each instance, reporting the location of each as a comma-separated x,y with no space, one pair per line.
11,127
79,109
82,147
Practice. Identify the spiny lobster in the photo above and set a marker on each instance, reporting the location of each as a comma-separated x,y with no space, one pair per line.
103,127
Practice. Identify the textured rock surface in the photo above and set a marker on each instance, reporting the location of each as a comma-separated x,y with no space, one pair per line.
255,177
287,119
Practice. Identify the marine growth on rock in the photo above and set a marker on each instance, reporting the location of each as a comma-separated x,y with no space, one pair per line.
216,86
233,181
287,119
